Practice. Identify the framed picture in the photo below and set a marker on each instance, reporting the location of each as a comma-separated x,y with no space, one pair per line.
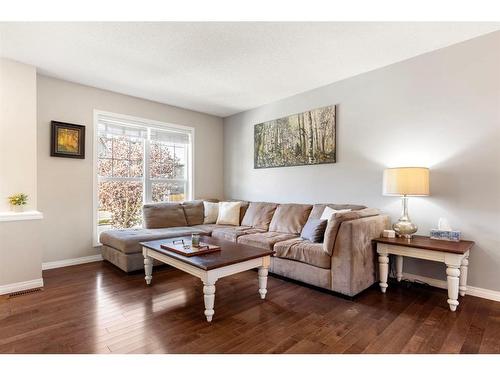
306,138
67,140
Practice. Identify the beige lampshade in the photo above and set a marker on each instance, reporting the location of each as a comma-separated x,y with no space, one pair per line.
406,181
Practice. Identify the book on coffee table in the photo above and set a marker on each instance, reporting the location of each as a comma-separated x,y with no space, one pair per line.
188,250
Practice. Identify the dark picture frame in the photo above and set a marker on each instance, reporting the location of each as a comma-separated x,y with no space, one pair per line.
67,140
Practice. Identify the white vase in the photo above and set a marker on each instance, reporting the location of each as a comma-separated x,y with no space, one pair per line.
16,208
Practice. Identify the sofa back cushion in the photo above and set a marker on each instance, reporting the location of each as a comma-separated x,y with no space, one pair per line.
334,224
259,215
290,218
318,209
163,215
193,210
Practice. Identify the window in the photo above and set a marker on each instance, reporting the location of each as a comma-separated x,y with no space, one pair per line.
138,161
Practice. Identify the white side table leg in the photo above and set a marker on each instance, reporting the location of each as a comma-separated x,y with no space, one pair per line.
209,297
399,267
148,269
453,274
263,271
383,266
463,276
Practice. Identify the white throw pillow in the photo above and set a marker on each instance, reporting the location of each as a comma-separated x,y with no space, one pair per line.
329,212
229,213
211,212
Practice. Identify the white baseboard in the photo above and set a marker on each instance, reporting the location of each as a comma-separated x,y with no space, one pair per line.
23,285
71,262
471,290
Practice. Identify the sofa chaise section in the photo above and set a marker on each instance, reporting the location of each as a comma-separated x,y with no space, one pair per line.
162,220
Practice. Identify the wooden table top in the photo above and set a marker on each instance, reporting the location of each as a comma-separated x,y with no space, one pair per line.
230,253
424,242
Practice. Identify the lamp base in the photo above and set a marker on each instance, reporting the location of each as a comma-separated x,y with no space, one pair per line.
404,228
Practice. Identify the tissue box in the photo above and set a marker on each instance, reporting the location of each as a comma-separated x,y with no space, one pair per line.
447,235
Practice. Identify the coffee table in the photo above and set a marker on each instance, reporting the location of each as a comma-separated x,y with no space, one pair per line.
231,259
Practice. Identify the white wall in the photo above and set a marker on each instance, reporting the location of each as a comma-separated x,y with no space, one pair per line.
440,110
20,251
65,185
17,132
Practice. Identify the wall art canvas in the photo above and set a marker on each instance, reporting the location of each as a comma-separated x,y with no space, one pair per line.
67,140
302,139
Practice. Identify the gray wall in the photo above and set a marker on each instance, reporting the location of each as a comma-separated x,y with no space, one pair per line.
440,110
65,185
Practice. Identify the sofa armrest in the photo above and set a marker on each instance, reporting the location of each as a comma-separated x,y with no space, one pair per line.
353,258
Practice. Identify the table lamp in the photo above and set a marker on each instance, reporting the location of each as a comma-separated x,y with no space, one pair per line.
405,182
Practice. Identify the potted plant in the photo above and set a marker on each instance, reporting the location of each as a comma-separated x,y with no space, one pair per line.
18,201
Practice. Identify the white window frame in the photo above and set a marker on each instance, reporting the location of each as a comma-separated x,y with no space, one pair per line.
149,124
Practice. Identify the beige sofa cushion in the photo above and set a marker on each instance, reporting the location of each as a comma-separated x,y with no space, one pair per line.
265,240
163,215
194,212
290,218
243,208
303,251
210,212
334,224
229,213
232,233
128,240
259,215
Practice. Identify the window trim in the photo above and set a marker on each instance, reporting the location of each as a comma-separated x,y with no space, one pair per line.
146,123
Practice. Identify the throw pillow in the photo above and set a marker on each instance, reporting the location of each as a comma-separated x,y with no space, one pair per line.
314,230
211,211
329,212
229,213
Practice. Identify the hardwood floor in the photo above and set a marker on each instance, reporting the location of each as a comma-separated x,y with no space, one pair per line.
95,308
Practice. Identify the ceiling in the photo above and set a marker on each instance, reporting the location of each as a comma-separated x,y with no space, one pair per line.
221,68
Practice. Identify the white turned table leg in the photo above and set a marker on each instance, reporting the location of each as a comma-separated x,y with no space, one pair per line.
383,265
148,269
453,273
209,297
463,276
399,267
263,271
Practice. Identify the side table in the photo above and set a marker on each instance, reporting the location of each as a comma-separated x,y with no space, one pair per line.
454,254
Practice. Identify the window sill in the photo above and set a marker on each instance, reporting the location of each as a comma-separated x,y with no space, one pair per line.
17,216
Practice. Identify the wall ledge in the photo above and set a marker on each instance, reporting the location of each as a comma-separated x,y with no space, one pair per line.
17,216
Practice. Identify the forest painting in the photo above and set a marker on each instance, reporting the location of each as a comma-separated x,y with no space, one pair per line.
301,139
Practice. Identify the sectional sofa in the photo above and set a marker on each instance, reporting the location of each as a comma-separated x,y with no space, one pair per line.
344,262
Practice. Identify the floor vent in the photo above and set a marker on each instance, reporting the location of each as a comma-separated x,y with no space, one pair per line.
24,292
